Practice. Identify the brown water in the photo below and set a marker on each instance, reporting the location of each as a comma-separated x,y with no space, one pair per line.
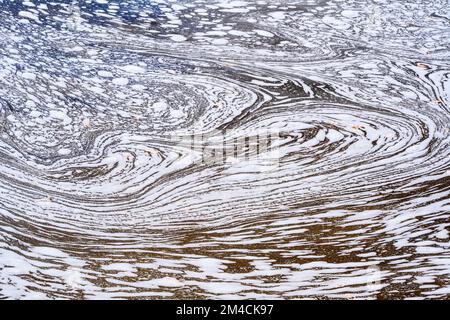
224,149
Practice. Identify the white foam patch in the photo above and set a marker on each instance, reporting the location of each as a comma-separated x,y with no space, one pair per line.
133,69
178,38
64,151
120,81
105,74
263,33
28,15
29,76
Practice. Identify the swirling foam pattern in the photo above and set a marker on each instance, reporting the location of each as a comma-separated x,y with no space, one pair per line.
351,197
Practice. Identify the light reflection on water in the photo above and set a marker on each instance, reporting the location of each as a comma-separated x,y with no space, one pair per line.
334,182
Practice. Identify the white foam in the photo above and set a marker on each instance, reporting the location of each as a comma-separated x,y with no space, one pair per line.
29,76
120,81
105,74
29,15
178,38
263,33
132,69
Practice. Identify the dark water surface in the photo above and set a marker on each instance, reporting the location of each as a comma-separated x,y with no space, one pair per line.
333,180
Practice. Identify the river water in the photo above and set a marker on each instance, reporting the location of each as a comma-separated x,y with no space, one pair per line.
224,149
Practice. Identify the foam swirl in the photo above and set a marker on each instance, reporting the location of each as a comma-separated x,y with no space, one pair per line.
187,151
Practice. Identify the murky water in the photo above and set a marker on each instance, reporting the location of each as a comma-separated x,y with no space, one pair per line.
334,176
